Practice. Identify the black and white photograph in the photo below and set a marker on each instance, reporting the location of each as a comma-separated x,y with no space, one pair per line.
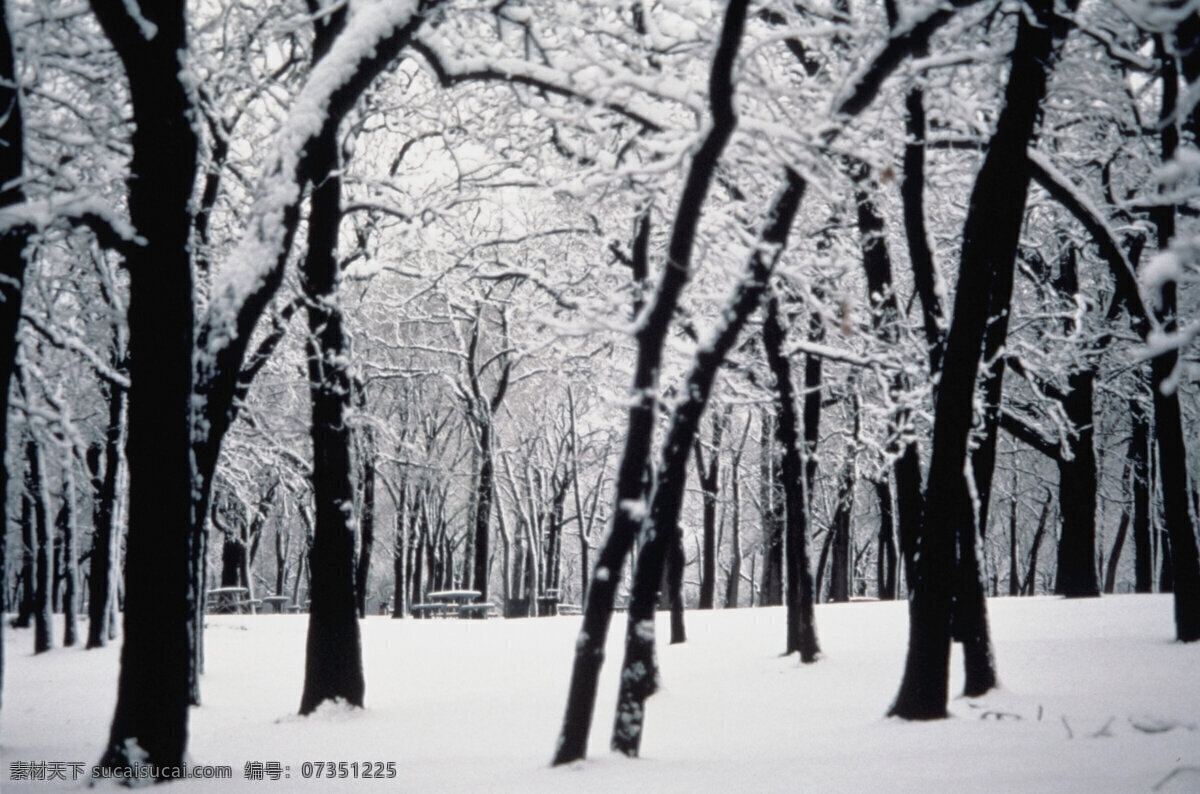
600,395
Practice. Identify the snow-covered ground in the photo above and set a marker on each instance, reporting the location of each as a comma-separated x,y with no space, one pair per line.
1096,697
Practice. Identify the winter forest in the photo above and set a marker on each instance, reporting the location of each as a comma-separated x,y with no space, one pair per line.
590,311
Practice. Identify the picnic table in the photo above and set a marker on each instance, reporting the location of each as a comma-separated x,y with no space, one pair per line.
227,600
443,603
277,603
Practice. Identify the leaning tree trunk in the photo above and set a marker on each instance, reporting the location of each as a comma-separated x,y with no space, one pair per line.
801,623
990,236
634,470
639,671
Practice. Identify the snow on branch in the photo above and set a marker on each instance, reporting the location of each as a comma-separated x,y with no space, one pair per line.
111,230
523,72
375,32
909,35
76,345
1063,190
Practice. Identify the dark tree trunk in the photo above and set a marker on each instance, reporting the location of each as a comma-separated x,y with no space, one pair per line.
1168,419
69,531
709,477
885,559
367,538
418,573
12,257
1139,462
990,236
885,320
1076,574
639,672
35,486
839,529
233,555
822,563
25,605
150,720
1166,577
484,490
676,560
1030,586
333,658
771,513
634,470
801,623
1014,573
106,531
401,559
733,583
1114,558
912,194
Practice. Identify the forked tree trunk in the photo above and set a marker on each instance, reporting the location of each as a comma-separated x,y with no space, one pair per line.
634,469
639,671
990,236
